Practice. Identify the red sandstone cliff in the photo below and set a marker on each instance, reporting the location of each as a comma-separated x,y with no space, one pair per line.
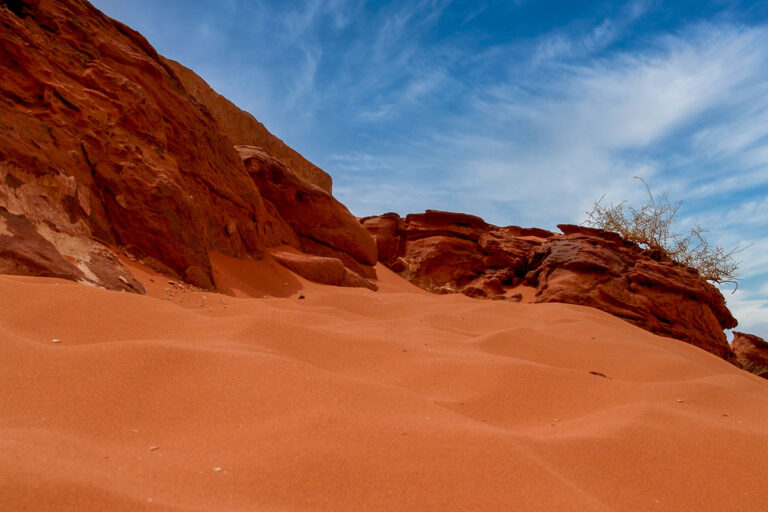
106,147
448,252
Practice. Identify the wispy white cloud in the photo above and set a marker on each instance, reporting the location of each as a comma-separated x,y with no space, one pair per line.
564,44
574,135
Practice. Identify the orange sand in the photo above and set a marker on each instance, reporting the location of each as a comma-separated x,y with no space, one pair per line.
350,400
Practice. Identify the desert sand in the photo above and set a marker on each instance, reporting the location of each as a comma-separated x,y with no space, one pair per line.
286,395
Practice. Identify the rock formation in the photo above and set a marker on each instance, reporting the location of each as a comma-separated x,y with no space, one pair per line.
107,148
447,252
452,252
104,150
751,353
322,225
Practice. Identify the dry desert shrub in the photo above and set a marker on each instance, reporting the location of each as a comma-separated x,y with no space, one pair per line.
650,226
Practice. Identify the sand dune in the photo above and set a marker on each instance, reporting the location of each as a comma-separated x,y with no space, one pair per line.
347,399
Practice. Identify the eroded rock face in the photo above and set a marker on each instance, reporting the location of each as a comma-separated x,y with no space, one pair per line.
323,225
751,353
446,252
593,268
104,149
26,249
99,139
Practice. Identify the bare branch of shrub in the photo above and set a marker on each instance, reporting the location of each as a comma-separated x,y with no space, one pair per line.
650,226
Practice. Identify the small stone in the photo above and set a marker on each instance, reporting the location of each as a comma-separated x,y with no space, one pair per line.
54,340
231,227
217,470
679,401
153,448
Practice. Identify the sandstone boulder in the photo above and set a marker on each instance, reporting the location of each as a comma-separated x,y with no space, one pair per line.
322,270
751,353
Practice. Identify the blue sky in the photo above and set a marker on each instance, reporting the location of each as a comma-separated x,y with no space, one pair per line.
520,111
